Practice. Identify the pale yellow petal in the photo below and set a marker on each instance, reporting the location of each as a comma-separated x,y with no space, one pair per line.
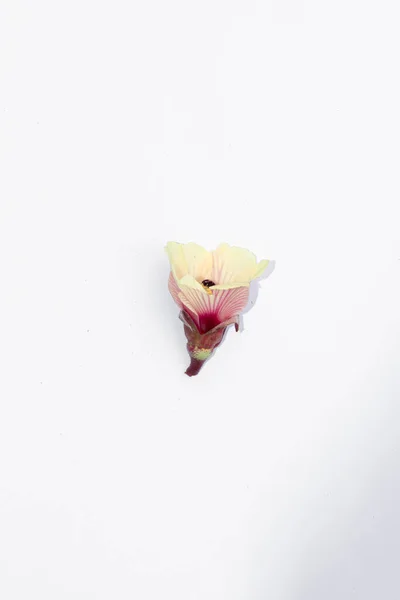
189,259
262,265
229,286
199,261
233,265
190,282
177,259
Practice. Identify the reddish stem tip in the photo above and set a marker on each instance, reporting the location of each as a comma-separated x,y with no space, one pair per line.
194,367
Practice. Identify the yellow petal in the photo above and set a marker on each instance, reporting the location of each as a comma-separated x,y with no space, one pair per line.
189,259
233,265
190,282
177,259
229,286
262,265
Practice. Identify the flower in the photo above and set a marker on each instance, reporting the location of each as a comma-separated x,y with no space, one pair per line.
211,289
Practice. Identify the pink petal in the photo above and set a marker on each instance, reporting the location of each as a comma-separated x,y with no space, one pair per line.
209,310
232,302
174,290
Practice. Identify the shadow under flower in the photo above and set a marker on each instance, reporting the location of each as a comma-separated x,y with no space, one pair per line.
254,290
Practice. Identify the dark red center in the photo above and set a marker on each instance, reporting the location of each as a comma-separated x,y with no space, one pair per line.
208,321
207,283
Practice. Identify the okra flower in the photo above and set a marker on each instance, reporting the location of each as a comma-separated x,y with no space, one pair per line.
211,289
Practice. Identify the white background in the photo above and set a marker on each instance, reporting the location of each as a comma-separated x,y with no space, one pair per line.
275,473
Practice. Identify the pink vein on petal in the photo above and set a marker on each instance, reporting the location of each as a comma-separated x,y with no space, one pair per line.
210,310
233,302
174,290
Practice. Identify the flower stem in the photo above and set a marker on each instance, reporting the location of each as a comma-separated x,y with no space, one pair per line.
194,367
